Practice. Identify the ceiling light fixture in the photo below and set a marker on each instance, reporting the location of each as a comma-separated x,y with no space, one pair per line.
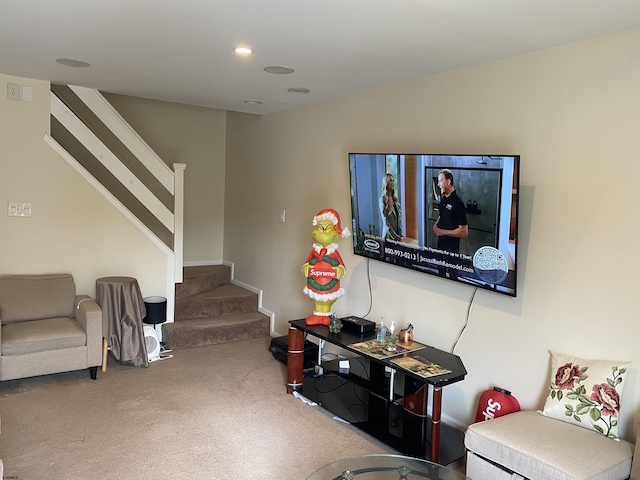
301,90
243,50
253,102
69,62
278,69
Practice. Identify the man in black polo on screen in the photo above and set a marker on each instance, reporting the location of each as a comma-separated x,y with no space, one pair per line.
451,224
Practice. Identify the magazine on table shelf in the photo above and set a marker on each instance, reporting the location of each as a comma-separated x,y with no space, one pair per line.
377,350
420,366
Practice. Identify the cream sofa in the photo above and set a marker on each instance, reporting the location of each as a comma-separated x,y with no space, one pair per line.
528,445
47,328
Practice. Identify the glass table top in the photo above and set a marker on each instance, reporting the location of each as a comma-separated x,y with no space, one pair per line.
382,467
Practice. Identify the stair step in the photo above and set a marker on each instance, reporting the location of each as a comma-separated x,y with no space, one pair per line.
211,310
211,331
224,300
202,278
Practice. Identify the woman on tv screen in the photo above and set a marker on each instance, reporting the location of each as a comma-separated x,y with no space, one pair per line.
390,210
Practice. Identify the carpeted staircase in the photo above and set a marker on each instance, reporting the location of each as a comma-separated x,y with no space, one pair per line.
210,310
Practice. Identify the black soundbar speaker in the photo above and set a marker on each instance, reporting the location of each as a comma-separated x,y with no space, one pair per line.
357,325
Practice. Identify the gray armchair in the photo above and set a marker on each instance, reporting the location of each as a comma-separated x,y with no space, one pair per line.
47,328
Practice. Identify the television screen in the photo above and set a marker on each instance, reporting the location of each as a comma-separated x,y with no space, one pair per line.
455,216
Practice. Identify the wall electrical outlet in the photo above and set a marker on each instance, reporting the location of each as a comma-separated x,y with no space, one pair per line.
16,209
283,216
13,91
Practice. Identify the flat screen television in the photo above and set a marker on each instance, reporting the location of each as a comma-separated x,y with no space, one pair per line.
476,224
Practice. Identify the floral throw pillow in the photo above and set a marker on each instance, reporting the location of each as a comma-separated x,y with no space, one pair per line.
586,392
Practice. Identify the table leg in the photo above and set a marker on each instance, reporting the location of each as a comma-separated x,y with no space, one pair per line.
105,351
435,424
392,384
320,347
295,360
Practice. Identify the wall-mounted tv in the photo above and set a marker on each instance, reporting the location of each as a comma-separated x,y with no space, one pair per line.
455,216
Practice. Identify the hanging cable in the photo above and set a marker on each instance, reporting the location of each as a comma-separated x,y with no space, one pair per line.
466,322
370,291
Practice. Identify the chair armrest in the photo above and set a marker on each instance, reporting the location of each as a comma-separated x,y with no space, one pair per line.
89,317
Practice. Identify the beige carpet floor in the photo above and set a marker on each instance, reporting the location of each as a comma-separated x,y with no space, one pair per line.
217,412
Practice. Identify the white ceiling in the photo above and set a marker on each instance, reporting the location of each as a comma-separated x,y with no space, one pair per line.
181,50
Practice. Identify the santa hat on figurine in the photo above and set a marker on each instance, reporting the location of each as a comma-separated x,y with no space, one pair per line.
329,214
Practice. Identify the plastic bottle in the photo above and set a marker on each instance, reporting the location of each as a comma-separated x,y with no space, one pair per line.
381,333
392,338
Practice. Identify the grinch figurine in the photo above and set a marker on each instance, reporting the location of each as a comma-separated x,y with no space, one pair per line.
324,267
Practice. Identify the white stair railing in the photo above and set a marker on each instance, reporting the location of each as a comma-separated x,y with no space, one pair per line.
172,181
127,135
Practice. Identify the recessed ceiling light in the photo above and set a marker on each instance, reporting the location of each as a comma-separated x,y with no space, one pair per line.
253,102
278,69
243,50
68,62
298,90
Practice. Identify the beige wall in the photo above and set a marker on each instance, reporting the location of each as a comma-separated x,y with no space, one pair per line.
72,228
573,113
194,136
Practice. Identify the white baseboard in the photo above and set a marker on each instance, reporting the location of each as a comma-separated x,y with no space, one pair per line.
201,263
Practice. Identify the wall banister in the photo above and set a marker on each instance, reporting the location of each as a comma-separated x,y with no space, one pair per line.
170,178
94,145
126,134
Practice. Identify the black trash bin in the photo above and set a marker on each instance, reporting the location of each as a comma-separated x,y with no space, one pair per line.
156,310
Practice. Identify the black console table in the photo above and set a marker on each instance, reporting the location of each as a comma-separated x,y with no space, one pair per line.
366,394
